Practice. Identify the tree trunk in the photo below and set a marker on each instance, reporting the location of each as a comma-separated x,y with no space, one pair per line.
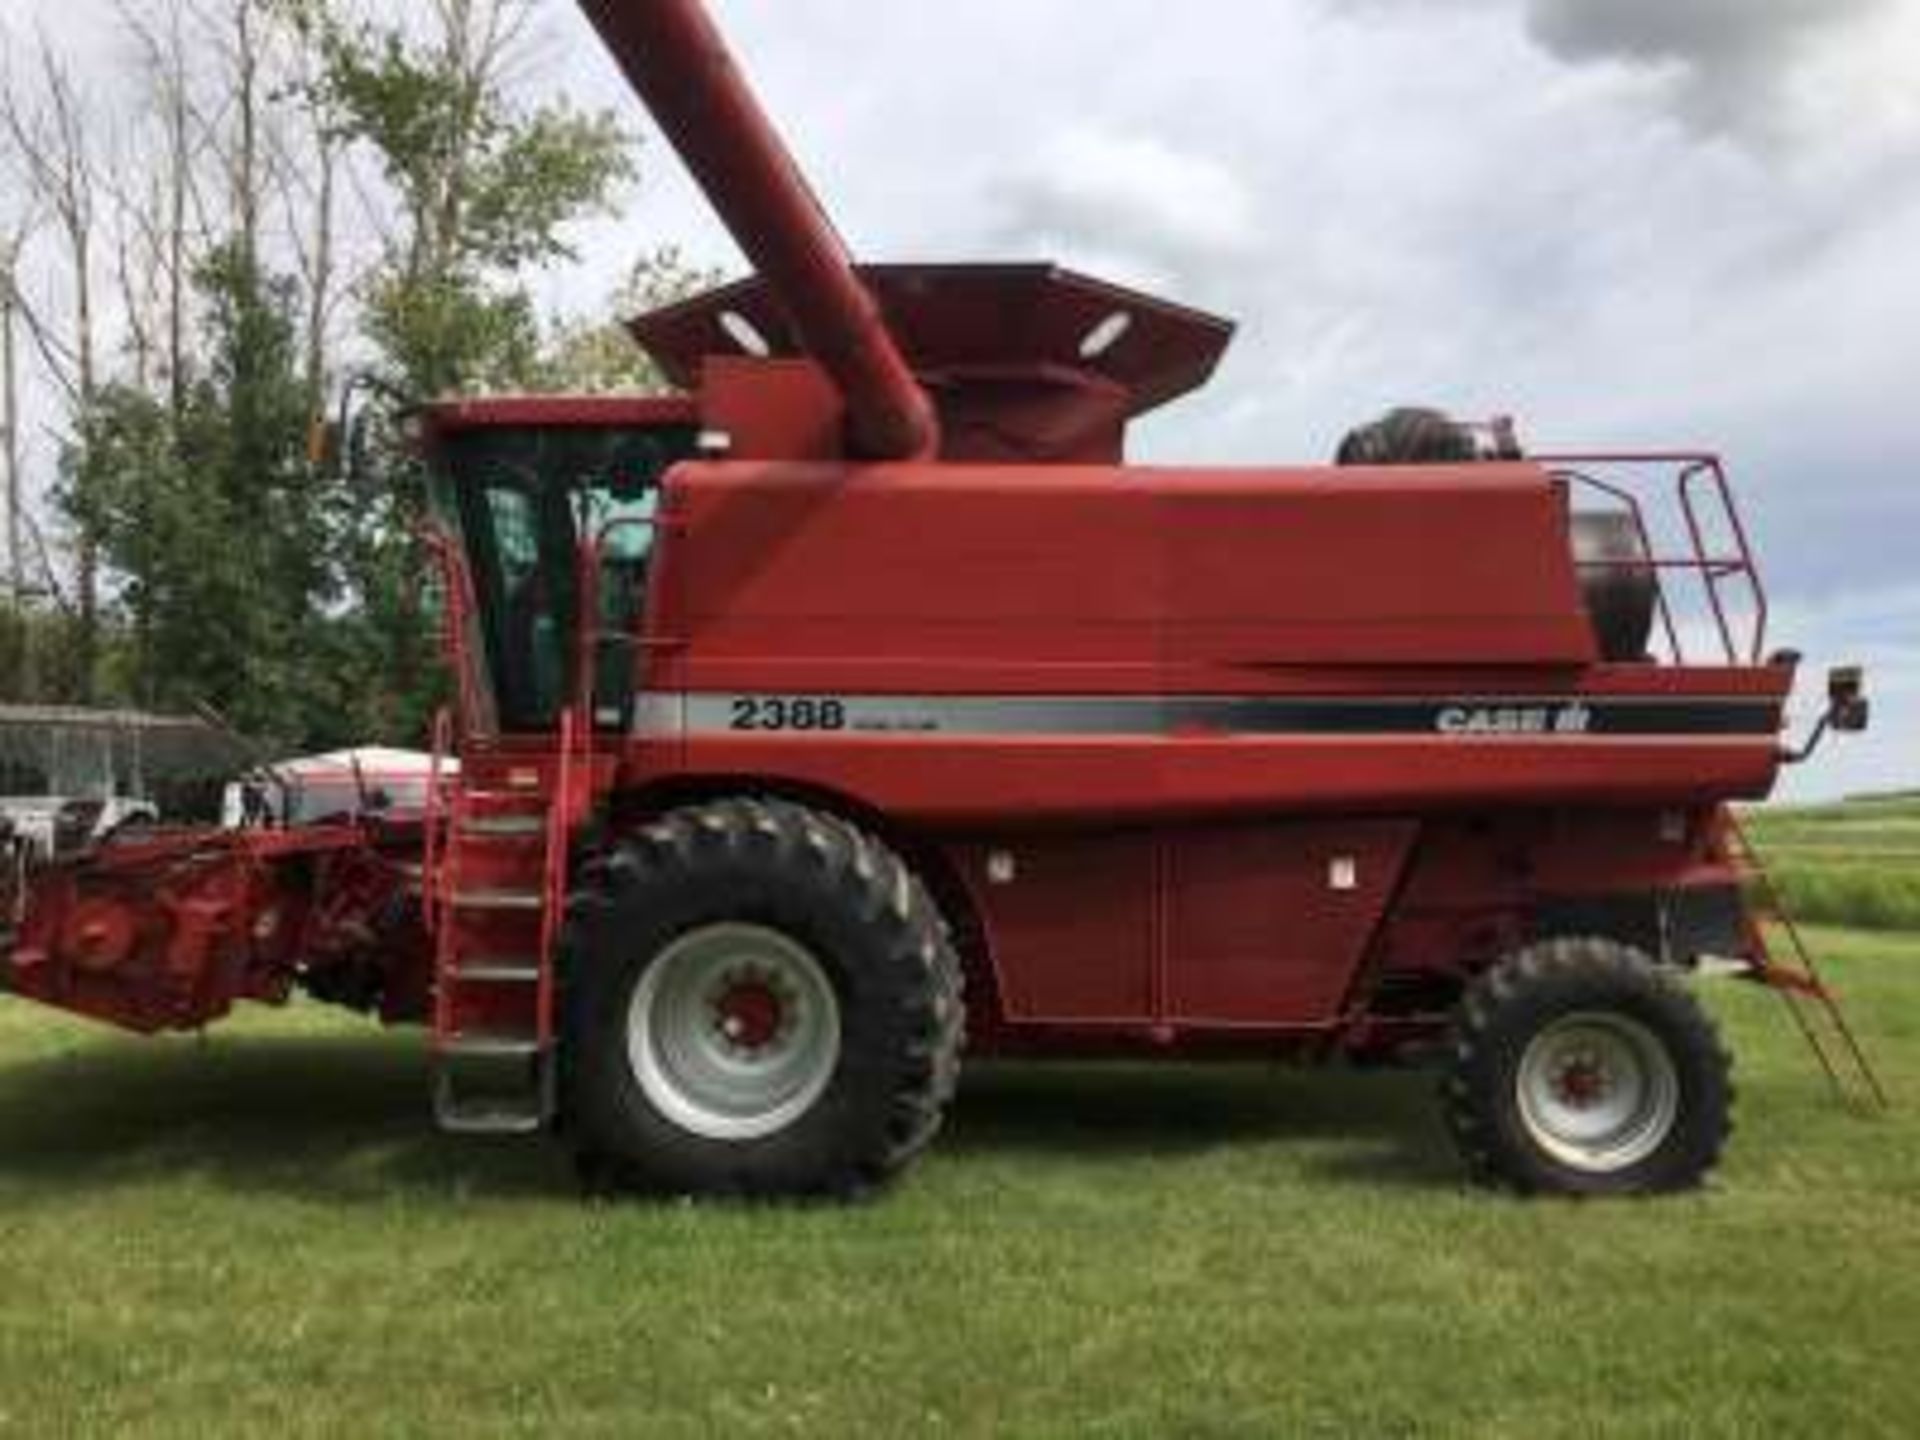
10,424
246,162
320,277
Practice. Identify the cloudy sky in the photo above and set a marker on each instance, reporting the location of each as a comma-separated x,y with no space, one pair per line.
1627,222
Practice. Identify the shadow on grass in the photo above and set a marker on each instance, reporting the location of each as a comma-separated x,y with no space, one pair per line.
345,1119
1376,1127
332,1118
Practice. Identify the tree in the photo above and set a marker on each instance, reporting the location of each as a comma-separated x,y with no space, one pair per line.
599,356
277,193
484,188
57,155
13,243
220,530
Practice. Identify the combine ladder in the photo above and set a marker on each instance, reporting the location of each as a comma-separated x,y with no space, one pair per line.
1813,1005
497,884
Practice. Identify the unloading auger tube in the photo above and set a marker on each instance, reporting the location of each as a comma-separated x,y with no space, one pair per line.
681,68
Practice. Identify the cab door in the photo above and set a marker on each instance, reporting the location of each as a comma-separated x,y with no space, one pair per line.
623,534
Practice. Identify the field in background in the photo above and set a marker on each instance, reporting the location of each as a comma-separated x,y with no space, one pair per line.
260,1232
1856,864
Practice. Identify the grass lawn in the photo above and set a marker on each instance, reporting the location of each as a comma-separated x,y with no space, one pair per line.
260,1232
1856,864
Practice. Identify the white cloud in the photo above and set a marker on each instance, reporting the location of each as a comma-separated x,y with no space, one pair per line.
1151,209
1735,58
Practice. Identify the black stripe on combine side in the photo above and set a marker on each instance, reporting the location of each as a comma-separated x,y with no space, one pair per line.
1482,716
1463,717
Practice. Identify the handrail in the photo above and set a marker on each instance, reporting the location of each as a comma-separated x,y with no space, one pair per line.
456,584
431,846
586,628
1638,512
589,635
1711,468
1690,471
560,817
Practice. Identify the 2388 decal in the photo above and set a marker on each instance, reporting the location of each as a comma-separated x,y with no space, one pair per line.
764,714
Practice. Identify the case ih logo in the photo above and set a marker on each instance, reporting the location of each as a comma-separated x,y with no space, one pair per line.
1516,720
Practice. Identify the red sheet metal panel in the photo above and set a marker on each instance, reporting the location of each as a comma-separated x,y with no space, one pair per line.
1072,924
1266,924
861,579
1183,927
772,409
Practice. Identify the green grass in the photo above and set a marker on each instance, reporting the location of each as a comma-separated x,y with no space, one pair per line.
260,1233
1856,864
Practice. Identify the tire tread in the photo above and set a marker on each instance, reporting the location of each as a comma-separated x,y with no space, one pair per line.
770,842
1489,1032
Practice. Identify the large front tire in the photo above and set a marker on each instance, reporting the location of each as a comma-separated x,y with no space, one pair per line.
1581,1068
761,1001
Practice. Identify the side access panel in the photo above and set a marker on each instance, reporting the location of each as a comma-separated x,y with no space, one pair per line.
1209,928
1267,925
1070,922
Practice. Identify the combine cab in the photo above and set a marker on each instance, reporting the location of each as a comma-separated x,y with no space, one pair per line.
862,698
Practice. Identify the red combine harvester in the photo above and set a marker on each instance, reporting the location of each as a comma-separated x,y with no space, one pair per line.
864,676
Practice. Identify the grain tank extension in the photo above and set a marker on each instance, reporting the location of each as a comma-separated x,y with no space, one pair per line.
860,700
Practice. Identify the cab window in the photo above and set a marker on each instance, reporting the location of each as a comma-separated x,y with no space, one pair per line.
525,497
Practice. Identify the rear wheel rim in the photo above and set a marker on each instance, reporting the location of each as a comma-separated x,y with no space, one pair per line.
1598,1092
734,1032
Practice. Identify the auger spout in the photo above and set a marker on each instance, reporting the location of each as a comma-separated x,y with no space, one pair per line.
681,68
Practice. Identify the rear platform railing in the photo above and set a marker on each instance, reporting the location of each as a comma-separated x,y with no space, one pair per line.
1708,541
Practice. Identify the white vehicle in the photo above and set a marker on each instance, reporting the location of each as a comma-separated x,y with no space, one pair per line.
338,786
48,826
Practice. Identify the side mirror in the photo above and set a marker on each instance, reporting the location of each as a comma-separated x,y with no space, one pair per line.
1847,701
1848,711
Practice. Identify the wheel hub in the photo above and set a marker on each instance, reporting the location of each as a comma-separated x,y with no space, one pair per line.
749,1013
733,1032
1583,1083
1598,1091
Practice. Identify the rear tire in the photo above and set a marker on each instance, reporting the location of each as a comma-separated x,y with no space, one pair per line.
761,1001
1580,1068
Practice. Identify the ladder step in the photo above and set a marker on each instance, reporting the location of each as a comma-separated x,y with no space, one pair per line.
498,972
489,1119
529,900
490,1047
531,796
504,827
491,1108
